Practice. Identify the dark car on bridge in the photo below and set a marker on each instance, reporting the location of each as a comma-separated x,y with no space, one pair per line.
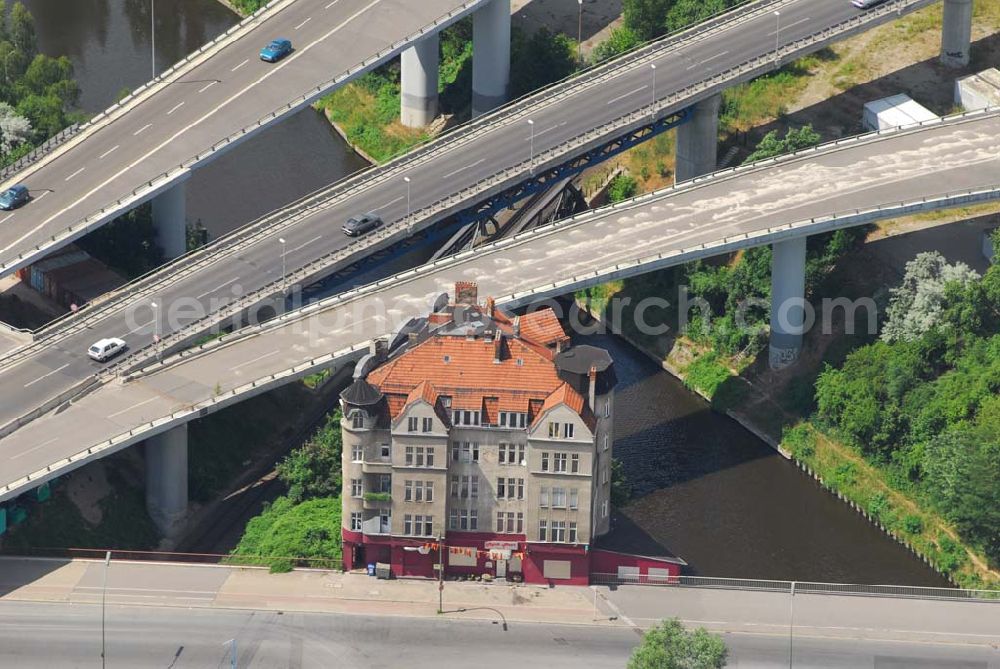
14,197
276,50
359,225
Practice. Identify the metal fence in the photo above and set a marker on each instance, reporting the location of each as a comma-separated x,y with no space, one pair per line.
796,587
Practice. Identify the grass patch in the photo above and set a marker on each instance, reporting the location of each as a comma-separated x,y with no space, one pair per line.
706,374
287,534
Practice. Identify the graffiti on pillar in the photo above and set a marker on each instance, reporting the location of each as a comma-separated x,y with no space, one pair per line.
781,358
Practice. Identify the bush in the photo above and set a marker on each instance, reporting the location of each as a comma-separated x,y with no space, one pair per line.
913,524
287,532
671,646
622,187
314,469
706,374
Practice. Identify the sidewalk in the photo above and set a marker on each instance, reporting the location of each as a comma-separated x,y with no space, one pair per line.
221,586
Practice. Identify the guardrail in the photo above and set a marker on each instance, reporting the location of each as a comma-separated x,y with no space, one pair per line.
798,587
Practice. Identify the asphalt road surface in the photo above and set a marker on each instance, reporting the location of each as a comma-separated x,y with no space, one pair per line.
54,369
659,230
57,636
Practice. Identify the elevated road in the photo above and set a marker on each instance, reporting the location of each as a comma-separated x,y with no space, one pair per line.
447,175
942,164
208,104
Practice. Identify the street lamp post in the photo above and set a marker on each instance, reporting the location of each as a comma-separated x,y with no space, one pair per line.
777,35
152,32
104,598
281,240
232,652
579,32
791,623
156,330
531,147
440,575
652,113
409,225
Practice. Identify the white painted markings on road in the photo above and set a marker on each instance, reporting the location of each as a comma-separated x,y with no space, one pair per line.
134,406
462,169
207,86
303,23
790,25
549,129
218,288
45,376
34,448
110,151
628,95
389,203
36,199
257,359
705,60
75,173
329,5
175,108
240,65
4,219
140,327
142,129
302,246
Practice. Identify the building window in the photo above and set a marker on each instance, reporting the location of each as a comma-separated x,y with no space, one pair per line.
502,453
355,521
454,485
356,490
605,442
465,417
357,420
428,525
407,524
604,509
411,424
558,531
574,498
385,482
501,488
409,456
511,454
463,519
385,451
545,461
543,497
357,453
430,456
419,456
465,487
520,522
572,531
418,525
408,491
559,462
428,424
607,408
520,488
465,451
553,430
541,530
568,430
559,498
428,491
418,491
453,519
513,419
574,463
474,489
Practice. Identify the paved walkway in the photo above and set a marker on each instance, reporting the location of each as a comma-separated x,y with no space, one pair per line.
921,621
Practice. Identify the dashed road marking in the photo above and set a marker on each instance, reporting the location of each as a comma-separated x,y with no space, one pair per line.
175,108
110,151
240,65
142,129
74,174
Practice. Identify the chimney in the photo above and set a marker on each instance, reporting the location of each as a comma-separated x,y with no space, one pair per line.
517,326
498,349
491,306
378,349
413,336
559,346
593,388
466,292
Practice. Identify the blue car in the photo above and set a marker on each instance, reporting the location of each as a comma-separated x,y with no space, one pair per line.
14,197
276,50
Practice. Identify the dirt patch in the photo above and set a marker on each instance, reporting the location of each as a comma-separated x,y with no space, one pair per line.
599,18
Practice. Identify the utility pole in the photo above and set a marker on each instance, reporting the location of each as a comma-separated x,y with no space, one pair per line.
104,599
440,575
579,33
531,147
777,33
152,32
791,622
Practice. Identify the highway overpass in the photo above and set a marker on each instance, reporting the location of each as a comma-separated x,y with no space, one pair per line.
583,116
146,146
943,164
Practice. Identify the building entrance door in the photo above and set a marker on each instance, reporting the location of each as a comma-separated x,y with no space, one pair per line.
501,569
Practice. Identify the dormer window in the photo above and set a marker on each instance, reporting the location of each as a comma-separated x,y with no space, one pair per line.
358,420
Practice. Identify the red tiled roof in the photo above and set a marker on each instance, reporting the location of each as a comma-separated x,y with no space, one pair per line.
566,394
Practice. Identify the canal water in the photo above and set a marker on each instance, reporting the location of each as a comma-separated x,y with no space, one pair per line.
706,489
108,42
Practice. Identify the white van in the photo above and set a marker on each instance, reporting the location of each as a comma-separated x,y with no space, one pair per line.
106,349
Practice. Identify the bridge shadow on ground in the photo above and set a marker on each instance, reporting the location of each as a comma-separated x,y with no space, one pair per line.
564,16
928,82
18,572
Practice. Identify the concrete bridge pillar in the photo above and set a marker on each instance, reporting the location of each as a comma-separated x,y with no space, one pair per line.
956,33
170,221
490,57
419,74
788,304
167,478
698,140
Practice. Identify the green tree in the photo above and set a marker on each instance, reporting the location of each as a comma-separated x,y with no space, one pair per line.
21,28
287,530
670,646
622,187
684,13
621,490
313,470
645,18
919,302
621,40
539,60
772,145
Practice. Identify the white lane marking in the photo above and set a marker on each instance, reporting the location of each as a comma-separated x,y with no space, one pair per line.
75,173
142,129
140,327
258,359
218,288
302,246
34,448
627,95
271,71
45,376
790,25
331,4
240,65
462,169
705,60
207,86
110,151
41,196
303,23
549,129
134,406
6,217
390,202
175,108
